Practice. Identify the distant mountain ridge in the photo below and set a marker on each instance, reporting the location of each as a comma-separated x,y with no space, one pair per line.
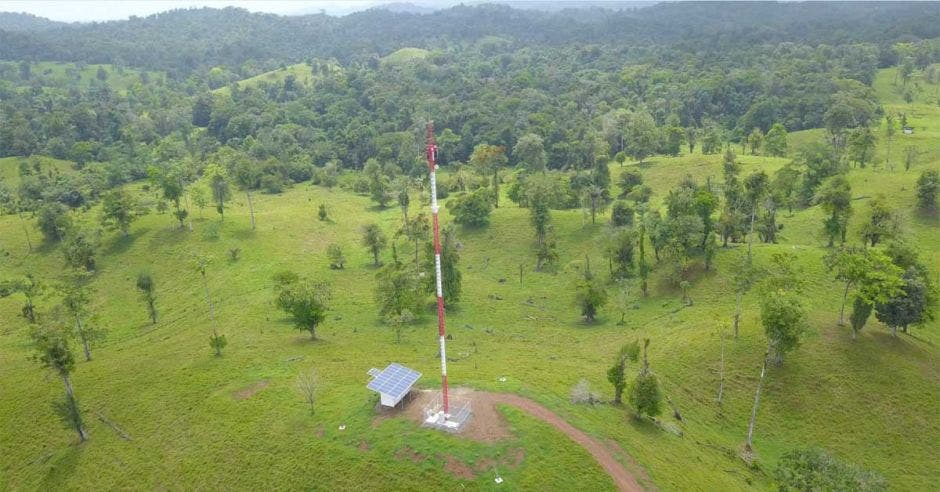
182,41
23,22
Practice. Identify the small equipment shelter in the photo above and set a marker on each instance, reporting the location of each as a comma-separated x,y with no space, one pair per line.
392,383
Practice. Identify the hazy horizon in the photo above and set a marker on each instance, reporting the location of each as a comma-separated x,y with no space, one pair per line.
92,11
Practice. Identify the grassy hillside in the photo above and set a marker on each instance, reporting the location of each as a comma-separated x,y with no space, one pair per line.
64,74
873,402
10,167
405,55
302,72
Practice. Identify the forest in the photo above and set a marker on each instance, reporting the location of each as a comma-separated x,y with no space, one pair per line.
704,235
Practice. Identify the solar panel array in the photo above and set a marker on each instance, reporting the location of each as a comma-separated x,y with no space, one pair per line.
394,381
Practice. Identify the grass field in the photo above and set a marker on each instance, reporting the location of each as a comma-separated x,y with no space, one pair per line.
302,73
873,402
64,74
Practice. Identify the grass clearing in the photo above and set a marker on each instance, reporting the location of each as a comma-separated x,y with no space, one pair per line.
872,403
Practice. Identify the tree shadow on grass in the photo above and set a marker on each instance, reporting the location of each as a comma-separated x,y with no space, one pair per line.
61,467
121,243
243,234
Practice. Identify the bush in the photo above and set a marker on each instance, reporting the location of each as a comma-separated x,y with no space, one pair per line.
361,185
337,259
621,215
212,231
54,222
272,183
79,250
471,209
645,396
814,469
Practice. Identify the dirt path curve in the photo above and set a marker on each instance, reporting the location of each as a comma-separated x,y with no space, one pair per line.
624,480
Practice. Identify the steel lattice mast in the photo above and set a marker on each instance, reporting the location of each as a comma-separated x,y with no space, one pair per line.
432,168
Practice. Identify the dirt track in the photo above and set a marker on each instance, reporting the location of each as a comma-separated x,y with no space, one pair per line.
488,425
622,478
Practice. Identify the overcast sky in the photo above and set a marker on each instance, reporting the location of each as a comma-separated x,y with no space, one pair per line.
84,11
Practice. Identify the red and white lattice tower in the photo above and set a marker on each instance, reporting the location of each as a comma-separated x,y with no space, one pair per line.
432,169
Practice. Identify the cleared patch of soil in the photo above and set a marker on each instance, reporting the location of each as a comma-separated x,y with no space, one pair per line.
249,391
488,425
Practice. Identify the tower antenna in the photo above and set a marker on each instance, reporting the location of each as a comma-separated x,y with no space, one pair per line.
432,169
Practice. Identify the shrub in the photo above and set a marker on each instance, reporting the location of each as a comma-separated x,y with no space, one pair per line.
272,183
337,259
471,209
814,469
79,250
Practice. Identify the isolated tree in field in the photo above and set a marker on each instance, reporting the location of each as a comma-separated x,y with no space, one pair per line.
849,265
488,159
529,153
395,291
861,146
784,321
79,249
148,293
305,301
374,239
337,259
450,271
247,174
775,142
749,442
744,277
216,341
642,136
76,299
54,222
882,223
861,310
644,394
913,305
890,130
590,295
52,351
629,180
756,187
117,210
643,268
471,209
172,183
621,214
31,288
594,196
620,247
617,373
755,140
307,384
217,179
927,185
910,157
835,198
404,199
416,230
538,196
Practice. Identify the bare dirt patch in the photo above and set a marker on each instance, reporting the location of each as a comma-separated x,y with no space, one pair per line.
249,391
488,425
363,446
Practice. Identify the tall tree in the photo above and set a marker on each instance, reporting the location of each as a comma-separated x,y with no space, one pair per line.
617,373
835,198
217,178
529,152
644,394
148,293
52,351
927,185
590,295
488,159
642,136
305,301
374,239
775,142
117,210
216,341
882,222
784,321
247,174
76,299
890,130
